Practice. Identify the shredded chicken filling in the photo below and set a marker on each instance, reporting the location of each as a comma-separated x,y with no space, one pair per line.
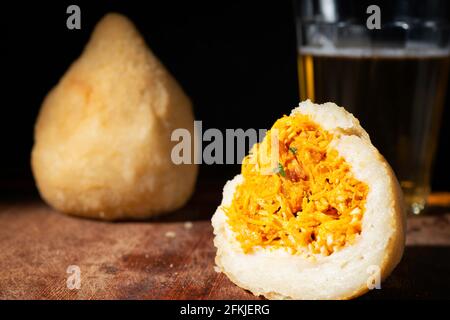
305,199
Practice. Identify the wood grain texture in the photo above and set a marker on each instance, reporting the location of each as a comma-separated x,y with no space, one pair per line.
172,257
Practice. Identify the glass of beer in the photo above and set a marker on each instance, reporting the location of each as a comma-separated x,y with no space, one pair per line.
388,64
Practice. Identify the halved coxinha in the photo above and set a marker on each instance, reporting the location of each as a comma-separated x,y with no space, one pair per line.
316,223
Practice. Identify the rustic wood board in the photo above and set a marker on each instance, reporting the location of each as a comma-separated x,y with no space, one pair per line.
168,258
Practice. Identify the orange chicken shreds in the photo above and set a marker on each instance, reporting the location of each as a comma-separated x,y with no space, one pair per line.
307,200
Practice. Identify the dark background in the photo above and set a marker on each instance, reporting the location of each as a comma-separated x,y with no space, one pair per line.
235,59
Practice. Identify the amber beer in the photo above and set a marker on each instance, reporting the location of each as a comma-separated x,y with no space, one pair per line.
398,97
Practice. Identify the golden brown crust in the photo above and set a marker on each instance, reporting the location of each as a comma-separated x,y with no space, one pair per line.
103,135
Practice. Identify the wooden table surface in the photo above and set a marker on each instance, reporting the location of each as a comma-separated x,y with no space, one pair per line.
173,257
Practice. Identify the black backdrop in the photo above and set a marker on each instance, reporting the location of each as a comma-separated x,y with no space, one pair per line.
235,59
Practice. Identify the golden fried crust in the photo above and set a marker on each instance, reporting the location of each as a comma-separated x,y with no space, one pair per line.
103,135
277,274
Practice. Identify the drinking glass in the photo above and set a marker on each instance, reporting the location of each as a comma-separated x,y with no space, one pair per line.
388,64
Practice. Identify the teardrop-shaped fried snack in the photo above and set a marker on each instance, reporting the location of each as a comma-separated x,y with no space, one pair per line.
103,135
323,221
